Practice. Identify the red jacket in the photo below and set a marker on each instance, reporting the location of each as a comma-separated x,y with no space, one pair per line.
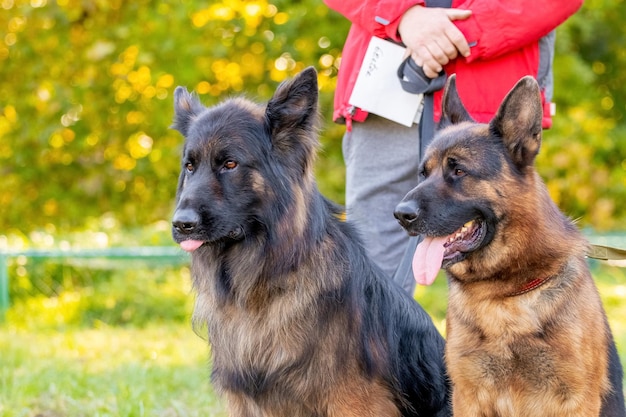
504,35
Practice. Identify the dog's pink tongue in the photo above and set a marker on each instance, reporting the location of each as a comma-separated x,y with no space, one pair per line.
427,259
190,245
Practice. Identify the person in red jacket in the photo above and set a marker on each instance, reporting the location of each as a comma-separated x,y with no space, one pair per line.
488,44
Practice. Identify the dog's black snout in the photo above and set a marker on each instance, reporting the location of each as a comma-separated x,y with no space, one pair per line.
406,212
185,220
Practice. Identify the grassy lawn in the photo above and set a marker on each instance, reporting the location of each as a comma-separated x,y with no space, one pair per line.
57,370
155,371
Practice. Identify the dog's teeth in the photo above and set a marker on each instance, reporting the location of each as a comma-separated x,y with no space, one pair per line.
463,229
468,224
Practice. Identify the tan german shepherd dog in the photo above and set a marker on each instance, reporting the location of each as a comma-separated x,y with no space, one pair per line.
526,331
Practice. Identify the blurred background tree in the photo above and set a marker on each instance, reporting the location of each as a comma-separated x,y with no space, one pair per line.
584,156
86,102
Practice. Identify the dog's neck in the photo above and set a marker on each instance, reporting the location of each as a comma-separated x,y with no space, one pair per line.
531,285
535,283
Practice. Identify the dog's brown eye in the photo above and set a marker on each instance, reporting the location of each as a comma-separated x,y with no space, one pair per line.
459,172
189,167
230,164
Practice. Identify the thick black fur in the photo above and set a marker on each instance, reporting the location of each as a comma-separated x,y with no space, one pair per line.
298,317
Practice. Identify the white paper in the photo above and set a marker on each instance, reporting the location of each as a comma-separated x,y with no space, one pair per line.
378,90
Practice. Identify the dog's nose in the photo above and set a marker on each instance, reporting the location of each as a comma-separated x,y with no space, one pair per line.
185,220
406,212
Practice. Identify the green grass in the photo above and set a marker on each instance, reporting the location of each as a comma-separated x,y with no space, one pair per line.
60,357
611,283
102,340
155,371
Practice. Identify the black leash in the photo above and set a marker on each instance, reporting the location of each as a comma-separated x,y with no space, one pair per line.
413,80
417,81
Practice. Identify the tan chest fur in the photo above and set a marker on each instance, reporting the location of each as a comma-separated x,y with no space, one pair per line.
518,355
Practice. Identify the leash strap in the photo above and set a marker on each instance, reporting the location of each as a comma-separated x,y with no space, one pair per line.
414,81
606,253
410,70
427,123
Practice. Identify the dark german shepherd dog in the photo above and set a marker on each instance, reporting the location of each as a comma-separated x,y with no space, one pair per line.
300,322
526,331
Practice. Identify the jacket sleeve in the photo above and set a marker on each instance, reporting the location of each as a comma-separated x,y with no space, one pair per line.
378,17
500,26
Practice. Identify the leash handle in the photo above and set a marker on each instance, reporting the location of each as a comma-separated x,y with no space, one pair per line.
414,81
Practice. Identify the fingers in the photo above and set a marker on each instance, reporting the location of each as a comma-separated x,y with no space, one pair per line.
433,59
430,65
443,50
431,70
434,54
453,34
458,14
432,37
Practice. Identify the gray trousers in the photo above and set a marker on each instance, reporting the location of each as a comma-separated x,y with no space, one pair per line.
382,159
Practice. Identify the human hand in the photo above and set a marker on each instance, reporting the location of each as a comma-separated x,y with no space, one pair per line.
431,38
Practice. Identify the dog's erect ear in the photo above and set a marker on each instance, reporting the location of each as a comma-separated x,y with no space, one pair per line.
518,122
186,108
453,110
293,106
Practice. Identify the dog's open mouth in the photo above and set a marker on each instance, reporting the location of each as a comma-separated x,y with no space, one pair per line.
464,240
434,253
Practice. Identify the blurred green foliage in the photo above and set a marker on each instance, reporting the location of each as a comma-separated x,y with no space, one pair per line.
86,102
97,294
86,96
584,156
